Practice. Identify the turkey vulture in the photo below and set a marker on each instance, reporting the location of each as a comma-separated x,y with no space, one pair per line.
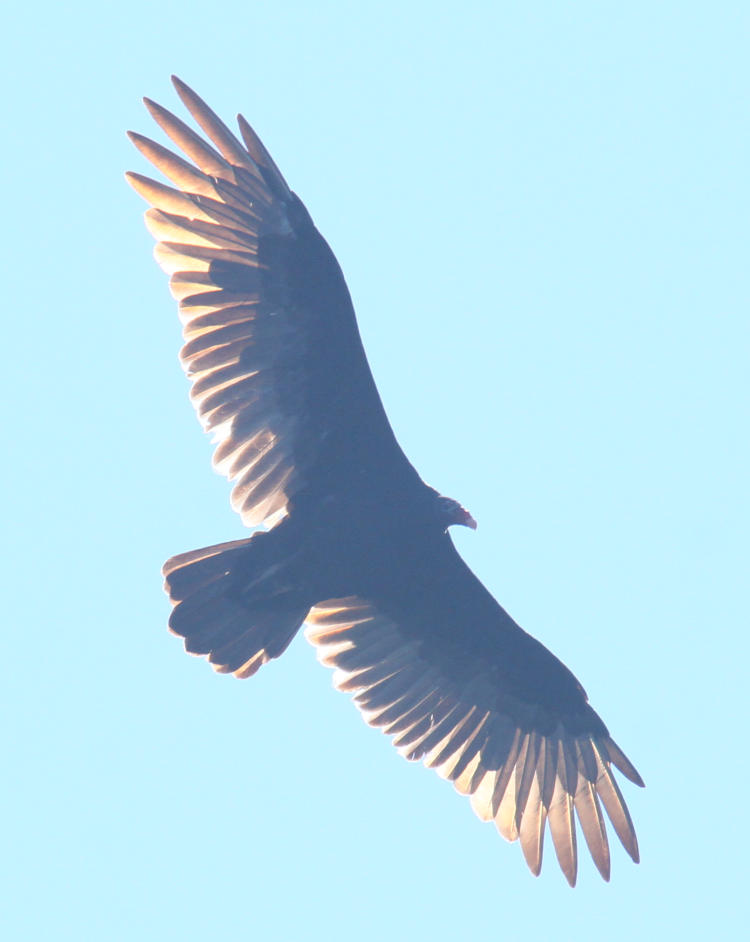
355,543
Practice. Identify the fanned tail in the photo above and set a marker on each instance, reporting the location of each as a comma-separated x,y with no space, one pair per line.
235,602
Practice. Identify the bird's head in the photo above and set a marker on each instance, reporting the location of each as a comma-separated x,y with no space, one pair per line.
451,512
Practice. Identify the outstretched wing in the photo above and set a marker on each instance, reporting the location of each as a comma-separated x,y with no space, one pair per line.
439,665
271,343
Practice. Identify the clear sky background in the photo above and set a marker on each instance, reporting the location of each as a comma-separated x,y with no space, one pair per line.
542,213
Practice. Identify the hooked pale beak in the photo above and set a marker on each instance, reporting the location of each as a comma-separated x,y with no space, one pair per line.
468,521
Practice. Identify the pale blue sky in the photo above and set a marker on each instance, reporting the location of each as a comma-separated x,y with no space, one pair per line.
542,213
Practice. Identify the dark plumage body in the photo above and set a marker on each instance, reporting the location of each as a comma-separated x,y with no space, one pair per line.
358,543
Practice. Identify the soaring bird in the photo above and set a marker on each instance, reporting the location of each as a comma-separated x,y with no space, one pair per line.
351,540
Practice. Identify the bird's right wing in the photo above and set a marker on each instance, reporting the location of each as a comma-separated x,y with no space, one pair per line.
444,669
271,342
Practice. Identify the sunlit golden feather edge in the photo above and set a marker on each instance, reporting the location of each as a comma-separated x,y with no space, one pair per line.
228,199
519,778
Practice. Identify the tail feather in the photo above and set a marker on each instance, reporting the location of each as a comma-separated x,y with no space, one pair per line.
236,602
187,572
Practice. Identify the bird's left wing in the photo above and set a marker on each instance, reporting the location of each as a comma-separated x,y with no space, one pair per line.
272,348
446,671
